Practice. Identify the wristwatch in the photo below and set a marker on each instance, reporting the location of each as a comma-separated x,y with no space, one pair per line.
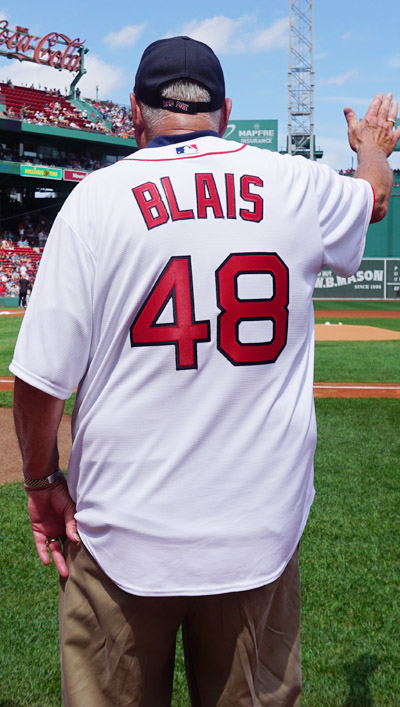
45,481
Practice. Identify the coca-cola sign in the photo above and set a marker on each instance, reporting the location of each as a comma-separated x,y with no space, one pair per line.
19,44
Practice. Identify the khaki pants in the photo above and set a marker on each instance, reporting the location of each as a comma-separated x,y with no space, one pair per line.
117,649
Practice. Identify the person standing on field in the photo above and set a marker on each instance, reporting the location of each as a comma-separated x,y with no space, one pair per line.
24,288
186,323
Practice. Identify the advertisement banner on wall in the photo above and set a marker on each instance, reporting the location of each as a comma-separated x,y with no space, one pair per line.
259,133
33,170
392,279
72,175
52,49
376,278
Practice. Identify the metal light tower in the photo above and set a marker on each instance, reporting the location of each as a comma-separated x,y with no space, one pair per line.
301,79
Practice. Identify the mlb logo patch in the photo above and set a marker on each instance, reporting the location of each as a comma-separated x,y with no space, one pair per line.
186,149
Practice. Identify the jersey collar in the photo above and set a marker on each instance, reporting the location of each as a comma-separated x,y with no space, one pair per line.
162,140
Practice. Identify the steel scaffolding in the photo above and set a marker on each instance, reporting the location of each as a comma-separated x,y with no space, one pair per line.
301,79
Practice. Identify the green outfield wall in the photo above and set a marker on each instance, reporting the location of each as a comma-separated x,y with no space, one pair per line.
383,238
7,302
375,279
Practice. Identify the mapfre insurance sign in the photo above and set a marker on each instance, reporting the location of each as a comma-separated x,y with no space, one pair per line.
259,133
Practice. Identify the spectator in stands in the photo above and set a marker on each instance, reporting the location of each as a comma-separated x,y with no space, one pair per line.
13,290
42,235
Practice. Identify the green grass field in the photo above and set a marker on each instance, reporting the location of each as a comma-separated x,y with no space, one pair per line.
349,554
373,305
369,361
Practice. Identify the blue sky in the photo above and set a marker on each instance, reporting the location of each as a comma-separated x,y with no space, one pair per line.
356,53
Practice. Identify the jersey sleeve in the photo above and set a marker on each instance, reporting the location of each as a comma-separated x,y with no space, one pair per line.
344,207
53,346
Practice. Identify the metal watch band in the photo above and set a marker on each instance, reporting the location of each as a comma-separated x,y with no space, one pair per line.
44,481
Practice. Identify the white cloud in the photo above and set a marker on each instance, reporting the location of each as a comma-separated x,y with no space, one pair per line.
337,152
338,80
321,55
221,33
105,76
394,62
228,36
25,72
126,37
274,37
347,35
99,73
346,100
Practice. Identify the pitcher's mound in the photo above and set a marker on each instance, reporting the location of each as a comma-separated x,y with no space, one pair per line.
353,332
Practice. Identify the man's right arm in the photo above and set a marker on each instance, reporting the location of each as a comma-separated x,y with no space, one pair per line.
37,417
374,139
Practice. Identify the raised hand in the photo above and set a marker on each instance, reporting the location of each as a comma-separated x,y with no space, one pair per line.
376,129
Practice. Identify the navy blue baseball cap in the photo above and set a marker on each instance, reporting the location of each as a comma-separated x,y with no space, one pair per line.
179,58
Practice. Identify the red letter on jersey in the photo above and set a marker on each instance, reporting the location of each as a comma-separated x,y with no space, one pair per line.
257,213
151,204
176,213
207,196
175,283
230,196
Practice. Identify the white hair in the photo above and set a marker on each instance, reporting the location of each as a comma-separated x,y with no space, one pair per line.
181,90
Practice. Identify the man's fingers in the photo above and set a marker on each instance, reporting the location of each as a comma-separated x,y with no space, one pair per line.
71,531
70,523
383,112
59,560
350,116
55,549
44,546
394,109
41,547
374,107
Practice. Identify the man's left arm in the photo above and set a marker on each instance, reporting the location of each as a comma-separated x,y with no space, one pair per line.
37,417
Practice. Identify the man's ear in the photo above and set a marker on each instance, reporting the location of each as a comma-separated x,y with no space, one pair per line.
137,119
224,118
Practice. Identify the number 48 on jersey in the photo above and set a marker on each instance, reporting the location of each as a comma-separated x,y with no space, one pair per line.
175,285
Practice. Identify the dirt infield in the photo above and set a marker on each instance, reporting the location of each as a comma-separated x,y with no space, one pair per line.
11,464
356,390
10,468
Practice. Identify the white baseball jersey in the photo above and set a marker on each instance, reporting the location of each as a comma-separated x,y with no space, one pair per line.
176,290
